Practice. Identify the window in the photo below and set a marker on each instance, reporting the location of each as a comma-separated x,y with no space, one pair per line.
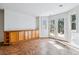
61,26
73,22
52,26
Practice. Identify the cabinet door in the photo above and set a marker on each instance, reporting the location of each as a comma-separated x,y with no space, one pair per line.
21,35
30,34
6,37
14,37
37,34
26,35
33,34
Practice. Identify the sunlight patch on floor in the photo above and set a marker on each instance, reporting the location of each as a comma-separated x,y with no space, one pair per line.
56,45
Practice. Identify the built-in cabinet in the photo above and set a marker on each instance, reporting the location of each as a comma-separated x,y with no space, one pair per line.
21,35
11,37
14,37
7,37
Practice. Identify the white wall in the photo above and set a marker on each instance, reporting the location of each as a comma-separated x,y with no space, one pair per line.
75,34
15,20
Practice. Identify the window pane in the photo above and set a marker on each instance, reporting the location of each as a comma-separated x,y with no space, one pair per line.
61,26
73,26
73,22
52,26
73,18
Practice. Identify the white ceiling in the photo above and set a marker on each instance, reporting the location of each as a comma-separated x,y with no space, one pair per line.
39,9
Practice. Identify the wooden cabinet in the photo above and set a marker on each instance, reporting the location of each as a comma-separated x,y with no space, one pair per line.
37,34
26,35
30,35
33,34
6,38
15,36
21,35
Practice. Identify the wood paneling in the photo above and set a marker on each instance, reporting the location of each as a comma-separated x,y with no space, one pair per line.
30,35
6,37
37,34
15,36
33,34
21,35
26,35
